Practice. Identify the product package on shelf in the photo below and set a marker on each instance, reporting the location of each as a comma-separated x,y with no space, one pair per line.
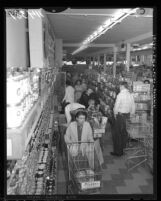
140,87
50,180
142,97
141,106
139,118
51,168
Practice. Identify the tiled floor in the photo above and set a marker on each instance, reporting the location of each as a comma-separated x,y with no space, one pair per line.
115,178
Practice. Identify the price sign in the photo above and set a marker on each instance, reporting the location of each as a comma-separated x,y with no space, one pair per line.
9,147
97,135
90,185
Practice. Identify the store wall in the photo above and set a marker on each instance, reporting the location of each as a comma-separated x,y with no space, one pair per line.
16,45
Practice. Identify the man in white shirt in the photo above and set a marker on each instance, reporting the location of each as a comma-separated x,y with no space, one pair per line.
123,108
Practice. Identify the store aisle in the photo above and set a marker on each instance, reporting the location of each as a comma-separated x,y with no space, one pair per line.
61,187
62,167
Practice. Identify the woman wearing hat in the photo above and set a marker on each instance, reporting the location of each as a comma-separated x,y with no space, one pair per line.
78,134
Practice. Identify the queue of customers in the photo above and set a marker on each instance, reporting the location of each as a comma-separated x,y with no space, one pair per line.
82,98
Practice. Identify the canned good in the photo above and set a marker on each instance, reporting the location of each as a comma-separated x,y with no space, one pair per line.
39,186
38,193
42,166
39,180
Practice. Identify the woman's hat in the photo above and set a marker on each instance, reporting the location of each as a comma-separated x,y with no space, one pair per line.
80,110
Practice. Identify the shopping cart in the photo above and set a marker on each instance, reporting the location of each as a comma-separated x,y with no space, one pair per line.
138,154
83,168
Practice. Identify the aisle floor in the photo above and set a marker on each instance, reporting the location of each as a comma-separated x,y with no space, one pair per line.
115,179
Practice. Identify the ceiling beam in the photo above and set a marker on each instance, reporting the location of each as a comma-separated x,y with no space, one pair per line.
101,52
82,14
139,38
90,45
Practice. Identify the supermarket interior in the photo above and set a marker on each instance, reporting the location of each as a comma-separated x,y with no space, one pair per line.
80,101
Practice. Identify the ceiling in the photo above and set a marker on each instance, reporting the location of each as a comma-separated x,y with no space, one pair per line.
75,25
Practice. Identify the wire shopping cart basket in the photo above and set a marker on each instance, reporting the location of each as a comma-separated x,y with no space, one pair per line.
84,170
138,154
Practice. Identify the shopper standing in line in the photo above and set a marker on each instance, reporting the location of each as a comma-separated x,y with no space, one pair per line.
78,90
84,85
69,94
68,76
75,77
123,108
87,95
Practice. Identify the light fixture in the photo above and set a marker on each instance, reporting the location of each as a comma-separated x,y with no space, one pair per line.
143,47
55,9
108,24
141,11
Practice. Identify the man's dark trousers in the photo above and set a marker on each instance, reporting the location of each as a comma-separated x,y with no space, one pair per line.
119,133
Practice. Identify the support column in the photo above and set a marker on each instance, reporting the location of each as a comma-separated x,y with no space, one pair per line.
95,60
104,62
98,57
136,59
35,41
59,52
114,61
128,56
142,59
86,59
91,60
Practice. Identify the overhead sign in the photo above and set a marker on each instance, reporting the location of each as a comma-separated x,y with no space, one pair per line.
22,13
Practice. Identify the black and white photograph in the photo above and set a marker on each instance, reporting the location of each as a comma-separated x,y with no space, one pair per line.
80,102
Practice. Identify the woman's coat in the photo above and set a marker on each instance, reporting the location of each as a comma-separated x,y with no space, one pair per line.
86,148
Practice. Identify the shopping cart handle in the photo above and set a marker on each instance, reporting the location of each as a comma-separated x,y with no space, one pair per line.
79,142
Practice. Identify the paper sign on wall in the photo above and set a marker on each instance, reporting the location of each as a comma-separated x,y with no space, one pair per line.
9,147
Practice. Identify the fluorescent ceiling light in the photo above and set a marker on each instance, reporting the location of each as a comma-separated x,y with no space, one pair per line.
108,24
143,47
